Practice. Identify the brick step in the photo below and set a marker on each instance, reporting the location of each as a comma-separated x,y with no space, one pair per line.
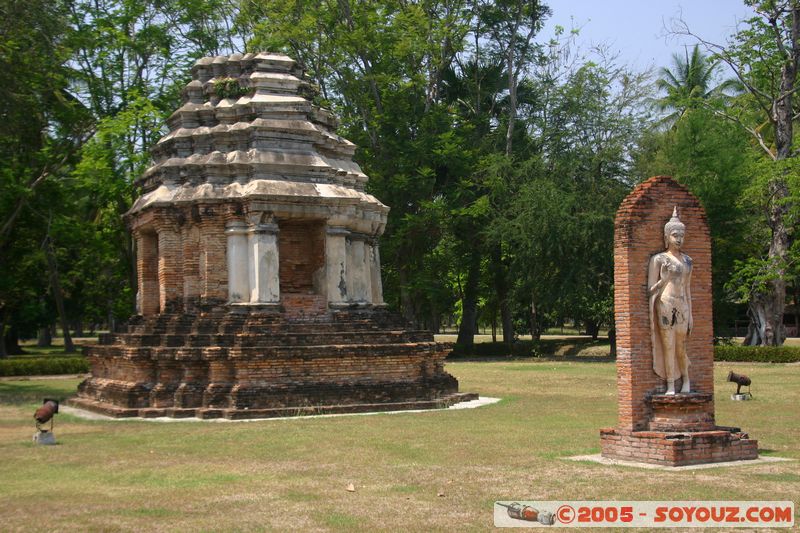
272,338
303,306
308,329
266,352
334,338
231,324
343,398
372,315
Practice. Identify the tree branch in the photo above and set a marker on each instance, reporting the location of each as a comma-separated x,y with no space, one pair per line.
752,131
32,184
772,18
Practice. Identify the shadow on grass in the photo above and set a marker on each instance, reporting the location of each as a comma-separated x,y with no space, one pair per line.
27,392
35,352
568,349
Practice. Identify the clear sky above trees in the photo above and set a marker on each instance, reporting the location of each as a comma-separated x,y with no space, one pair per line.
636,29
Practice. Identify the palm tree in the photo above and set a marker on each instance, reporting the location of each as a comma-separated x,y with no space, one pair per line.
689,84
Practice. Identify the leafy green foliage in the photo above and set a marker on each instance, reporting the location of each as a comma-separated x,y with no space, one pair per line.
43,126
503,160
757,354
89,85
690,83
752,276
714,159
577,347
229,88
559,222
43,366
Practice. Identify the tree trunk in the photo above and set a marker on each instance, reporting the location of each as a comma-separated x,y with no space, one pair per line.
592,329
11,342
512,98
501,288
767,306
766,316
435,321
58,296
751,337
406,302
507,319
536,330
78,328
44,338
612,340
469,303
3,320
111,321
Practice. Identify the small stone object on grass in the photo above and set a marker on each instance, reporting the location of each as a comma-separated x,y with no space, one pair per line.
44,438
351,488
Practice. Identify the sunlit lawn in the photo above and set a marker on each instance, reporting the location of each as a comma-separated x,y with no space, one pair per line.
435,471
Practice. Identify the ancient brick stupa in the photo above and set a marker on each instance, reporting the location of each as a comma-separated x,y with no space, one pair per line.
660,302
258,267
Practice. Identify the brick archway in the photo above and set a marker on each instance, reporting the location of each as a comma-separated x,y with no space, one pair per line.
638,234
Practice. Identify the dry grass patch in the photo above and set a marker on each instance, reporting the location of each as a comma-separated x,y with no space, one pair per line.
435,471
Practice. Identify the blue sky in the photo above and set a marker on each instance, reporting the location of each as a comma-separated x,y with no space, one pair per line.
635,28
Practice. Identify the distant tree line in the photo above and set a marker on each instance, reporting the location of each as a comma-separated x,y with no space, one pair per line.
503,155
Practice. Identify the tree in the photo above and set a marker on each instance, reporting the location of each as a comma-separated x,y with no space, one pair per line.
689,83
379,65
511,26
764,56
86,87
474,89
42,128
713,158
130,59
584,124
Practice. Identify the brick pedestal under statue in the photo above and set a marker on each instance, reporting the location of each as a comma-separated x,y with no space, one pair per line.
259,285
657,424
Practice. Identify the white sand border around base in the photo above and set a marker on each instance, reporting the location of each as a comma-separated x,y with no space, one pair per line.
88,415
597,458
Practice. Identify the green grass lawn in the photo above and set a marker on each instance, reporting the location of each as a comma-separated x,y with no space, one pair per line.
281,475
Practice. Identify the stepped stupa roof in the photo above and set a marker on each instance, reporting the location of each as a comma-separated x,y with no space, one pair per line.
248,129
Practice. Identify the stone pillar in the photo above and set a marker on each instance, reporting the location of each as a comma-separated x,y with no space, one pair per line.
366,269
375,273
336,265
147,272
264,268
358,276
170,269
238,262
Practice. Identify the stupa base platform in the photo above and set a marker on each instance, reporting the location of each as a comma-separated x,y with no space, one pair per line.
258,364
719,445
277,412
